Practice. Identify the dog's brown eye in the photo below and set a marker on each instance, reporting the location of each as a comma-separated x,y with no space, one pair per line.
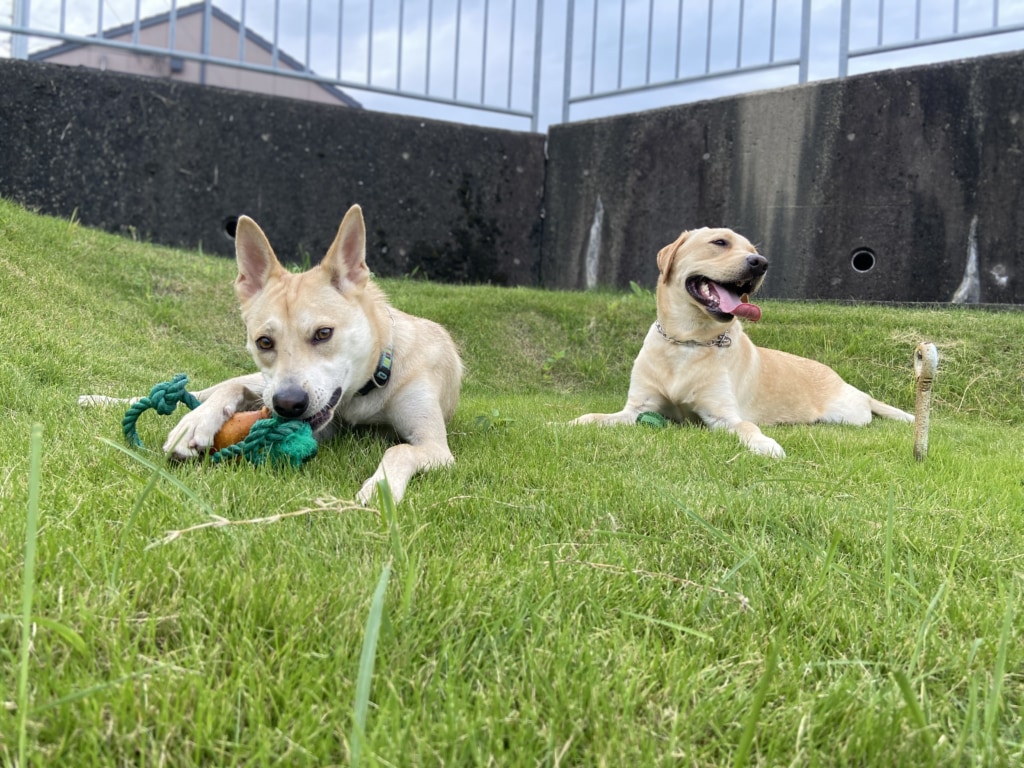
265,343
323,334
720,242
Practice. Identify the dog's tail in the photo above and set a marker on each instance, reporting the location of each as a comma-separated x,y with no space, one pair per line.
887,411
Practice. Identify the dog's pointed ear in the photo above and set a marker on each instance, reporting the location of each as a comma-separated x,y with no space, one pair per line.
667,255
257,263
345,261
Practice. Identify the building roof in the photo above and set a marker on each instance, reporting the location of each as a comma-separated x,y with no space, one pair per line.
164,18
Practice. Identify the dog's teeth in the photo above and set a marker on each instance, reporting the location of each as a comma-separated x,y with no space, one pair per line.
745,298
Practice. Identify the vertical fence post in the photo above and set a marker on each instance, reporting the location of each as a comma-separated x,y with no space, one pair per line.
458,46
20,17
650,37
537,59
511,54
844,38
567,55
622,38
430,40
207,31
401,40
483,52
309,32
172,26
341,27
136,22
277,33
805,40
370,29
707,40
739,36
241,32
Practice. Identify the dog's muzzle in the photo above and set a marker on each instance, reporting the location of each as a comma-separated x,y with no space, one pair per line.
293,402
725,300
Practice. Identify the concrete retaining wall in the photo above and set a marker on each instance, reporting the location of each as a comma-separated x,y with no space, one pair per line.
176,163
890,167
863,188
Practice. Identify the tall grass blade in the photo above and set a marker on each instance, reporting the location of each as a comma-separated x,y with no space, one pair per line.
35,462
926,623
995,697
390,512
67,634
116,568
669,625
202,504
366,661
830,555
99,687
750,726
969,728
957,548
914,707
887,569
723,537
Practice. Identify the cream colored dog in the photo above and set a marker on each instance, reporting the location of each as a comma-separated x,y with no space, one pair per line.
332,352
697,364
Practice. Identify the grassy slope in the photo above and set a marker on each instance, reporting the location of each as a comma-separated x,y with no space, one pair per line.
580,596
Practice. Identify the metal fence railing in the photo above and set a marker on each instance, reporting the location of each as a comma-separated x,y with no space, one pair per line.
459,59
903,25
481,55
676,44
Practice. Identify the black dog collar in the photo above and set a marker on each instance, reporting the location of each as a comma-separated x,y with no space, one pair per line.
382,375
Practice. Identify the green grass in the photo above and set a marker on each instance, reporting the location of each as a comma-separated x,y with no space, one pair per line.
561,596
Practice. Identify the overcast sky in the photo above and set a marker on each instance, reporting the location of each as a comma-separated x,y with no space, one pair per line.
676,45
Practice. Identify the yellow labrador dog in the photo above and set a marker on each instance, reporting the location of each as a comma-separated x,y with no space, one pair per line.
332,351
696,363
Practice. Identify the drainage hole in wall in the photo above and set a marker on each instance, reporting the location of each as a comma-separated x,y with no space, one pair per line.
862,260
230,225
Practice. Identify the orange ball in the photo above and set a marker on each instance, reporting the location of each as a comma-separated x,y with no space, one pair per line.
237,427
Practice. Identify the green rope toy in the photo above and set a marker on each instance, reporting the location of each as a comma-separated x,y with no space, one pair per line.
279,441
652,419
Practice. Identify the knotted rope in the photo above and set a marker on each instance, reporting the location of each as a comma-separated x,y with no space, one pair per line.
279,440
275,439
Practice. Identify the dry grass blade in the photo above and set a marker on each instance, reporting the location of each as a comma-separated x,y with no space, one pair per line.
320,505
742,599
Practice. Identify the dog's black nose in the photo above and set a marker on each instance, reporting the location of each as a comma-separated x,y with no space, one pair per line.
291,402
758,264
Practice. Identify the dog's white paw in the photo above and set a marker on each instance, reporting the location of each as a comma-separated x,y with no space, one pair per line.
367,492
605,419
194,434
763,445
370,493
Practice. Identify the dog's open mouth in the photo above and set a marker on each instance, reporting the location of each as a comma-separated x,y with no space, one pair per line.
724,300
324,415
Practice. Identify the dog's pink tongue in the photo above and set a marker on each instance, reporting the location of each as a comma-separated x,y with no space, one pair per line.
734,305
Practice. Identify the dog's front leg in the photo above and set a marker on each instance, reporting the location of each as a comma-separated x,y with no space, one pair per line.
748,432
426,448
194,434
626,416
637,401
400,463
